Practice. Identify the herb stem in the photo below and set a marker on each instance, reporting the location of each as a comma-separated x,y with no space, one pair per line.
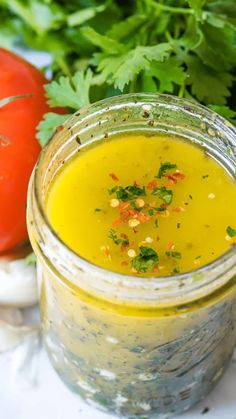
171,9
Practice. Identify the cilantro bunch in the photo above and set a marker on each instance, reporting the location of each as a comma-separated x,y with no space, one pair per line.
104,48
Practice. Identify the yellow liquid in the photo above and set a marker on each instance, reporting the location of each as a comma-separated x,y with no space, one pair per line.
189,233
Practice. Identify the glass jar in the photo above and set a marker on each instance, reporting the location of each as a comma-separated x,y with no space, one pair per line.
133,346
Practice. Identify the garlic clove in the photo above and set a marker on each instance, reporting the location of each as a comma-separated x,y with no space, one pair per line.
18,285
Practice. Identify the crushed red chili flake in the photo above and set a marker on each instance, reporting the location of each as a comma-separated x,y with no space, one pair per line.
137,183
143,218
171,179
124,263
178,209
170,246
114,177
152,185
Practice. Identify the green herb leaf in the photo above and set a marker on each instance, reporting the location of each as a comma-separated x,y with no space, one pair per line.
163,193
128,193
46,127
231,231
72,93
175,255
146,260
176,270
164,168
208,85
112,235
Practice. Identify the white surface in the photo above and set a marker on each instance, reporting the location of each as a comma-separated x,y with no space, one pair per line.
48,398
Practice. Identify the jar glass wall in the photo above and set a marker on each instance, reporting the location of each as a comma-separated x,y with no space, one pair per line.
129,345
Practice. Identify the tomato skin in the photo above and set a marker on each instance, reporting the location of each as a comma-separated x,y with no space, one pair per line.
19,148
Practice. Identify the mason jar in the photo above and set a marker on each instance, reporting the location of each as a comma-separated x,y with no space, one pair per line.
134,346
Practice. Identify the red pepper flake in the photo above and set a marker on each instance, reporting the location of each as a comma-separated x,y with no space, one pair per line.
59,128
171,179
152,185
124,216
156,269
174,177
137,183
179,175
124,263
170,246
143,218
178,209
114,177
123,206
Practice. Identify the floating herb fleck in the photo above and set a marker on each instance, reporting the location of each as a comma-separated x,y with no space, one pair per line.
163,193
178,225
146,260
176,270
97,210
128,193
175,255
164,168
124,241
231,231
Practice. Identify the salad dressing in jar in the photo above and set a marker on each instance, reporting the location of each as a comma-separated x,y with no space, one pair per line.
132,215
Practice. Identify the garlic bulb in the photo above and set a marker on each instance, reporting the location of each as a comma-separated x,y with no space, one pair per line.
18,285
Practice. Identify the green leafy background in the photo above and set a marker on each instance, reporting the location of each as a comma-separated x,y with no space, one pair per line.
104,48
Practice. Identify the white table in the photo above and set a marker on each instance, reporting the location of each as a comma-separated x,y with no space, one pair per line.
48,398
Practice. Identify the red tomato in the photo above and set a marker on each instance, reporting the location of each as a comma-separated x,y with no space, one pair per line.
19,148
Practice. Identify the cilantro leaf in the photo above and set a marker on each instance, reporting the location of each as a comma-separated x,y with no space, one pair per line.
163,193
164,168
72,93
146,260
48,125
120,70
168,73
104,42
231,231
81,16
208,85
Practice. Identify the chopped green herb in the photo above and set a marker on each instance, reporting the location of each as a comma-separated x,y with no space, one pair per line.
176,270
123,241
205,176
231,231
151,211
163,169
112,235
97,209
163,193
146,260
175,255
128,193
197,257
190,196
178,225
156,223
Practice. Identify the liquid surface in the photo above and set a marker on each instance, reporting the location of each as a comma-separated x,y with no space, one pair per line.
144,206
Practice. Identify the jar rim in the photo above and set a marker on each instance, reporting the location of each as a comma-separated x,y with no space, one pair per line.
120,278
